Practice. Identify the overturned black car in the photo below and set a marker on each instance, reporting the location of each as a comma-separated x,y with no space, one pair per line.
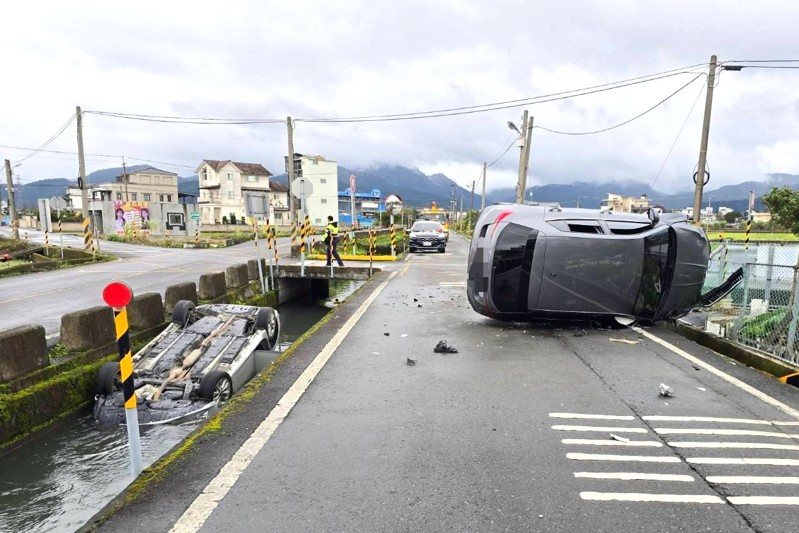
540,261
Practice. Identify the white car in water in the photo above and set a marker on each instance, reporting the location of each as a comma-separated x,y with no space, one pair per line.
200,360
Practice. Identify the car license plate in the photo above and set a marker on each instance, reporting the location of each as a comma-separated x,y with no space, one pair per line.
427,243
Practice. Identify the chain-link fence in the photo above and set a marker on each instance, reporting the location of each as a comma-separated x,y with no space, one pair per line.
761,312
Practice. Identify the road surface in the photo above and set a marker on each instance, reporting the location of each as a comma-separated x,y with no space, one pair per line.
528,428
42,298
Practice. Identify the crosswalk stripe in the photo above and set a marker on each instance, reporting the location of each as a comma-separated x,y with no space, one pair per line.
668,418
599,428
702,431
764,500
633,458
769,461
595,417
630,476
777,480
644,497
609,442
739,445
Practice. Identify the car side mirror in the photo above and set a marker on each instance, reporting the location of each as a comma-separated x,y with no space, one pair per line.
653,215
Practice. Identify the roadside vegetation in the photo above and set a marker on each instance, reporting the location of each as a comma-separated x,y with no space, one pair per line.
22,257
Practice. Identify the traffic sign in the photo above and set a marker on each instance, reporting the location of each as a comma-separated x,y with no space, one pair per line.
301,188
195,215
393,204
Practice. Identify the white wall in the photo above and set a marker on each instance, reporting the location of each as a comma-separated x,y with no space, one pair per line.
323,175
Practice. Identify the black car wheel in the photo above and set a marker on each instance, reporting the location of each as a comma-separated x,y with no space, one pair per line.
442,250
413,250
216,386
182,312
107,378
268,320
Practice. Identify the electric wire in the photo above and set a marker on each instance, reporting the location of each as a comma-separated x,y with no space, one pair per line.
48,141
620,124
186,120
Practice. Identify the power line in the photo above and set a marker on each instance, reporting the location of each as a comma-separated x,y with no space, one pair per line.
187,120
48,141
620,124
114,156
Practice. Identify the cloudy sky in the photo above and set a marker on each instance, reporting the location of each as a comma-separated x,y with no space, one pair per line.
351,58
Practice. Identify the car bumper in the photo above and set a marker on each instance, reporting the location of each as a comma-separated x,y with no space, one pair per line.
423,245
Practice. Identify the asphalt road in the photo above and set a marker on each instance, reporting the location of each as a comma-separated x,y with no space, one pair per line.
513,433
42,298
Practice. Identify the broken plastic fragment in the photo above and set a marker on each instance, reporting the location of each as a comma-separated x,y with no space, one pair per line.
665,391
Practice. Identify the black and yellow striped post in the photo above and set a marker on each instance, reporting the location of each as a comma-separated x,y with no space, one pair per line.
372,240
306,230
393,242
88,241
118,295
197,235
274,245
261,273
268,237
791,379
748,229
47,242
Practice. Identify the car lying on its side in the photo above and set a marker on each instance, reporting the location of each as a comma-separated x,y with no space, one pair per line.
427,235
205,355
550,262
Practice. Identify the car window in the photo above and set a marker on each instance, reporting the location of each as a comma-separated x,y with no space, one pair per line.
657,272
513,259
426,226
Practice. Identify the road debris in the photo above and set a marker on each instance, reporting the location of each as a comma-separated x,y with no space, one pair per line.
443,347
579,333
403,335
619,438
702,389
696,367
665,391
623,341
410,362
386,333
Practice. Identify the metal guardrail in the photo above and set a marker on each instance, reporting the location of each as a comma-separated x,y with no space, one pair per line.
762,312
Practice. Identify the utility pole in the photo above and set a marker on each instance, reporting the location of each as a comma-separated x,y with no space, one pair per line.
471,202
12,211
525,137
84,195
699,177
290,170
125,178
483,196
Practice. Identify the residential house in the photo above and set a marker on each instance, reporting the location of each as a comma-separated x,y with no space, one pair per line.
147,184
625,204
323,177
223,185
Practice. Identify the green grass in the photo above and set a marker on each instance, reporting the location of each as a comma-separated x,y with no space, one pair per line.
740,236
13,263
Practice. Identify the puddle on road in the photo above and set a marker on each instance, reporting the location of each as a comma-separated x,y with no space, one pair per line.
60,479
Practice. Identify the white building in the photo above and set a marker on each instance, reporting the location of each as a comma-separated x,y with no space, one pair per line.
724,210
223,185
323,176
147,184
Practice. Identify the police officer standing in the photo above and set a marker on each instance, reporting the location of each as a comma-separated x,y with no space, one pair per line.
331,241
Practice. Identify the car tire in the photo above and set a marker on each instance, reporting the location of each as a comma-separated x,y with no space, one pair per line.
107,378
442,250
182,312
215,385
413,250
268,320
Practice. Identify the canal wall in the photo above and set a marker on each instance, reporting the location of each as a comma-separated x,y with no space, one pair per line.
40,386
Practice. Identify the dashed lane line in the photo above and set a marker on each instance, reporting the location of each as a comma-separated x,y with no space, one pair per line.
632,458
642,497
635,476
599,428
790,411
755,480
765,461
600,442
591,417
734,445
732,432
202,507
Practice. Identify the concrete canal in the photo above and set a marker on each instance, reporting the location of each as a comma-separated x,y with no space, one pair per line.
58,480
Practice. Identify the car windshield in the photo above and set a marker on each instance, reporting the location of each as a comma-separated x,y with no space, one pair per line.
426,226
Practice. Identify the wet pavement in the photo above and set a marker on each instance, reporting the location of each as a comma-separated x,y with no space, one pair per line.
555,427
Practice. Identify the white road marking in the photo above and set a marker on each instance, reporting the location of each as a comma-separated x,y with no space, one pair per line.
599,428
629,476
760,480
598,442
739,445
634,458
595,417
703,431
643,497
202,507
665,418
790,411
742,461
764,500
460,284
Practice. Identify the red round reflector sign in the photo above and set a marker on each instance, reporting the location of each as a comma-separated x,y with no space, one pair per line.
117,294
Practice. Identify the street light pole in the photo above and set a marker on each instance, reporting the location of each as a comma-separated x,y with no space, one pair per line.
699,177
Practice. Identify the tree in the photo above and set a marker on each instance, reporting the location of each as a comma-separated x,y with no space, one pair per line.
783,203
732,217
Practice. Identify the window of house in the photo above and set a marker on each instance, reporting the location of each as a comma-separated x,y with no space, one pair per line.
119,196
323,180
205,175
161,197
252,178
134,196
168,197
230,195
146,196
230,176
324,200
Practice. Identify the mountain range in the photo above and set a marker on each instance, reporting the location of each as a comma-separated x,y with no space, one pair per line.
419,189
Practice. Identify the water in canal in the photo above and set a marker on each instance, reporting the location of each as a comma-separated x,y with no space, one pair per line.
60,479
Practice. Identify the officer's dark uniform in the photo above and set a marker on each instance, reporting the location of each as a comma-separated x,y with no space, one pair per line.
332,236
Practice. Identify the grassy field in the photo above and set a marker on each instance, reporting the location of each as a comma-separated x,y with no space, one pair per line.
740,236
13,263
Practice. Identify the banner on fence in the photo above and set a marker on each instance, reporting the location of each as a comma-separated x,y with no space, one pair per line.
131,216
